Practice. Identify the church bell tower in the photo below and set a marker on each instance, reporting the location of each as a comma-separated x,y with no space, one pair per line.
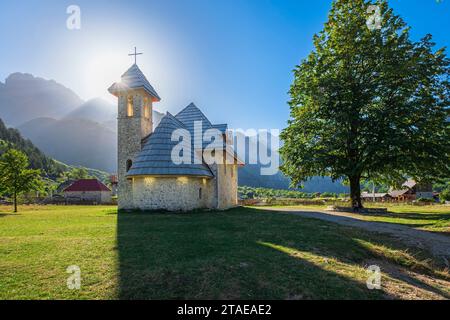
135,108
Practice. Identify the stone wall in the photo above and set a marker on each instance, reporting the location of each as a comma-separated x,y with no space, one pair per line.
227,186
173,194
90,196
131,131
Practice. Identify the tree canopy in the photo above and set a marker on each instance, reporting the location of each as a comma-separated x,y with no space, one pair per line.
368,103
15,176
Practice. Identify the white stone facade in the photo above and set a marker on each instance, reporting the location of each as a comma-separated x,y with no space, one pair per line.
173,193
227,186
186,193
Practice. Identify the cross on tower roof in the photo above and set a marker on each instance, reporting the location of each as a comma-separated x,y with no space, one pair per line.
135,54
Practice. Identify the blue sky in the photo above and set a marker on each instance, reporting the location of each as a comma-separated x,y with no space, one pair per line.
233,58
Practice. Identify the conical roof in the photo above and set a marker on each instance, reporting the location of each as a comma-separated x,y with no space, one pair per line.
133,78
156,155
191,114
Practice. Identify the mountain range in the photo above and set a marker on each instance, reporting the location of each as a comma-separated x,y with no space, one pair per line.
84,133
24,97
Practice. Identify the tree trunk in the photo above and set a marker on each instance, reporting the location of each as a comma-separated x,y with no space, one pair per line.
355,193
15,202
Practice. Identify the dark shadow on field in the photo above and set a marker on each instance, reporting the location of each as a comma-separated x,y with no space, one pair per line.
225,256
8,214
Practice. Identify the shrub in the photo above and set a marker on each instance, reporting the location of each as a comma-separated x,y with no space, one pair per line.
445,195
423,200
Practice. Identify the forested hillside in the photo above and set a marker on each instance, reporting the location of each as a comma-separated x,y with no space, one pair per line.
11,138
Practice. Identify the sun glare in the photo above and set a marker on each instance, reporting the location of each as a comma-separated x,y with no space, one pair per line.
101,71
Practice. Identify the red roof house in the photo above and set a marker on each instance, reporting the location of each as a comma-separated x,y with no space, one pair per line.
88,190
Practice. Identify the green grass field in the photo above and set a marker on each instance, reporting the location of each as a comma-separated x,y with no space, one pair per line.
240,254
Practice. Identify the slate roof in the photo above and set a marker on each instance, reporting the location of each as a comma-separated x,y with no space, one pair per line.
133,78
190,116
83,185
156,155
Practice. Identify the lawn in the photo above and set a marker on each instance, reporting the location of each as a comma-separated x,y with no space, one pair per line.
240,254
434,218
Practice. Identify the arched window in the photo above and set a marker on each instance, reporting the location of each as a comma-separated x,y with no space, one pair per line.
200,193
146,108
129,164
130,111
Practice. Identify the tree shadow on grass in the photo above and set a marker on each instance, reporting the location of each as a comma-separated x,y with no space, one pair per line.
409,265
413,280
2,215
228,256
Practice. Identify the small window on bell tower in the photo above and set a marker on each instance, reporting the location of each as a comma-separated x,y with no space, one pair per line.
129,164
130,107
146,108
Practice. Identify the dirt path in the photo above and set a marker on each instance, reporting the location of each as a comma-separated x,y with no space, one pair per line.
438,245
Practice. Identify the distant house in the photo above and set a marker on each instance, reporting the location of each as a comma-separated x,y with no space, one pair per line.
411,190
88,191
377,197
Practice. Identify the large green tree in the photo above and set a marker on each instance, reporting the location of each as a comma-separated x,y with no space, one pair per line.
15,176
368,102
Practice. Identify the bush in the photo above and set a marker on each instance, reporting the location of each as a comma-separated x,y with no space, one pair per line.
423,200
445,195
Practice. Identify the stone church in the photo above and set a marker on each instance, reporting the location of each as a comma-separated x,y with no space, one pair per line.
148,178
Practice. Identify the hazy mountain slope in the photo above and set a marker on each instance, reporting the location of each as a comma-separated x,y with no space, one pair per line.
74,141
24,97
250,174
97,110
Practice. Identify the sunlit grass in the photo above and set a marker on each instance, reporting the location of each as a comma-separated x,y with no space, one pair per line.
240,254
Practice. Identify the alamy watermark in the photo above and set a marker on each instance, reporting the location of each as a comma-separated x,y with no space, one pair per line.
374,20
374,278
213,146
74,280
73,22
